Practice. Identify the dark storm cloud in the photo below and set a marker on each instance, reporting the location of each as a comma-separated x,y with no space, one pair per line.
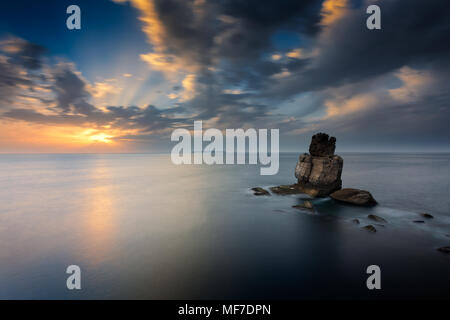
71,92
245,30
18,61
298,14
33,116
397,127
229,43
414,32
24,53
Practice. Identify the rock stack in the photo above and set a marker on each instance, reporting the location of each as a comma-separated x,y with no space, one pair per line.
319,172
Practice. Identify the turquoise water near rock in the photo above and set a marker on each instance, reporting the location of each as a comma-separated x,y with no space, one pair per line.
141,227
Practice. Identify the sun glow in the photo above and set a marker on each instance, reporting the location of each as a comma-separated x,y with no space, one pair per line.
101,137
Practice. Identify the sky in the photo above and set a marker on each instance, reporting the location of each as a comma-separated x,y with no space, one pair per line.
139,69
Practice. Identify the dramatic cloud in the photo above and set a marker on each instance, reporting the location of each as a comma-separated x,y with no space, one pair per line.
300,66
57,95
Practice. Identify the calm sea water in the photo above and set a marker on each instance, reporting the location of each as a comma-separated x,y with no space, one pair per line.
141,227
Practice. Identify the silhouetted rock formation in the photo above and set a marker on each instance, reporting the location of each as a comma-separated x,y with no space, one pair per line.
322,145
319,173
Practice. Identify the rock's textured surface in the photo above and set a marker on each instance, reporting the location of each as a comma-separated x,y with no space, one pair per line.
354,196
322,145
319,176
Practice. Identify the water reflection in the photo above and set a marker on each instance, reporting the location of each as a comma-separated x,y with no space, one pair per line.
99,215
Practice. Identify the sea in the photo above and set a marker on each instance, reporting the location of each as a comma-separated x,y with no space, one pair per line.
140,227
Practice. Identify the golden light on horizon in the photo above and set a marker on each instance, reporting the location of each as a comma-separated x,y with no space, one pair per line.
47,138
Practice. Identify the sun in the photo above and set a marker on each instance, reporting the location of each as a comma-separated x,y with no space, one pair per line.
101,137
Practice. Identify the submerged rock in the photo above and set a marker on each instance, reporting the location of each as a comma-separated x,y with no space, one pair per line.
305,205
370,228
257,191
419,221
376,218
319,173
354,196
308,204
444,249
427,215
286,189
356,221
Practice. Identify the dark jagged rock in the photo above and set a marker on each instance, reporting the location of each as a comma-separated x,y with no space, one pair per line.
356,221
322,145
376,218
444,249
419,221
286,189
370,228
427,215
354,196
257,191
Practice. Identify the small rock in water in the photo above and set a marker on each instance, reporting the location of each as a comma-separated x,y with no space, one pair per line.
260,191
308,204
286,189
376,218
370,228
444,249
427,215
354,196
356,221
419,221
305,205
